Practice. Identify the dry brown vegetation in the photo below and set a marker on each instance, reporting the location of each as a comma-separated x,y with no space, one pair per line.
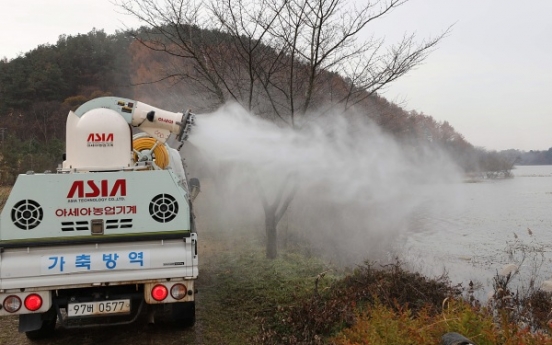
4,193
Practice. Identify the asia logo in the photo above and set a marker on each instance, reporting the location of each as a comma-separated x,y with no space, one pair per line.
100,140
93,189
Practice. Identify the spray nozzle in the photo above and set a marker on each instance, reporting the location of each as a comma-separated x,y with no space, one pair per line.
188,120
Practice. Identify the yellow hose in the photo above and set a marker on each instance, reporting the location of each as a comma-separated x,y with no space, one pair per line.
160,152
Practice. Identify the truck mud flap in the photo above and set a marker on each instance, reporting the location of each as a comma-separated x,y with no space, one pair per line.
101,321
33,322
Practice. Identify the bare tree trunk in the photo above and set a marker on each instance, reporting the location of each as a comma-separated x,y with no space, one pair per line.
271,234
273,214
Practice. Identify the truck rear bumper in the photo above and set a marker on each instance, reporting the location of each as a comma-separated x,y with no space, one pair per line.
30,284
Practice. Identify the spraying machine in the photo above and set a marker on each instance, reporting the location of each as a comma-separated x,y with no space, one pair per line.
108,235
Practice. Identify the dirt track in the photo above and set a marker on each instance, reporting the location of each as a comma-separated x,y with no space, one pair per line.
138,333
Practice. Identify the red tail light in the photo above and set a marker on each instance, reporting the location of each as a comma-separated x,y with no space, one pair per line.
159,292
33,302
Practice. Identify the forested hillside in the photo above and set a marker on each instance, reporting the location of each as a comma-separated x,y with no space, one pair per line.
38,89
533,157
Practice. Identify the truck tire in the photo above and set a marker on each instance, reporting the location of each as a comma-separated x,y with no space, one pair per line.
183,314
47,328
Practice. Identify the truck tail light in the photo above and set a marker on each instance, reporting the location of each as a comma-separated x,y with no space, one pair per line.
33,302
178,291
12,304
159,292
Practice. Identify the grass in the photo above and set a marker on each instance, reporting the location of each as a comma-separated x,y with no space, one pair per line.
244,292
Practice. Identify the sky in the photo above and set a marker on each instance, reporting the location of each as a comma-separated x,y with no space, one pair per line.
490,78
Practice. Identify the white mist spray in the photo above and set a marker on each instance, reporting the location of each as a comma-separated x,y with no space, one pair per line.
355,186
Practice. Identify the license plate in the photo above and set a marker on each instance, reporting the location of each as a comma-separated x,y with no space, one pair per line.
98,308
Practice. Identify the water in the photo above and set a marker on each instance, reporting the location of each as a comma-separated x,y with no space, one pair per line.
469,229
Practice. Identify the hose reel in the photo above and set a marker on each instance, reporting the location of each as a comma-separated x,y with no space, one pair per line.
148,149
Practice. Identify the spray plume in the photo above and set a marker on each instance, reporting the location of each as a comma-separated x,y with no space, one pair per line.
354,187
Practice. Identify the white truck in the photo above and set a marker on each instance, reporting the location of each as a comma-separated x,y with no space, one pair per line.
111,233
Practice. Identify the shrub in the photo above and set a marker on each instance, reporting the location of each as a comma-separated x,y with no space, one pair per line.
383,325
327,312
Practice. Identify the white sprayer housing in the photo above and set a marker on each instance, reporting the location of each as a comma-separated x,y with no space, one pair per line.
98,140
99,135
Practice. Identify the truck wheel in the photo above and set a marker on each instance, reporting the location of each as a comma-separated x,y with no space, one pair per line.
47,328
183,314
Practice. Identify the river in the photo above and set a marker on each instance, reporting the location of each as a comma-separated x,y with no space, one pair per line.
471,230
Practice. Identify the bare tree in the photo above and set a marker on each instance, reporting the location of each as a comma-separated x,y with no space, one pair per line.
323,36
280,59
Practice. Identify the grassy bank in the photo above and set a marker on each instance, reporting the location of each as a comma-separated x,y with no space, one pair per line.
241,293
296,300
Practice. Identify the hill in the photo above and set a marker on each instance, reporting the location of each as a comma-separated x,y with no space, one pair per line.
40,87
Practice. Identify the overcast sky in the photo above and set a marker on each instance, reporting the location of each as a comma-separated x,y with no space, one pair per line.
491,78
